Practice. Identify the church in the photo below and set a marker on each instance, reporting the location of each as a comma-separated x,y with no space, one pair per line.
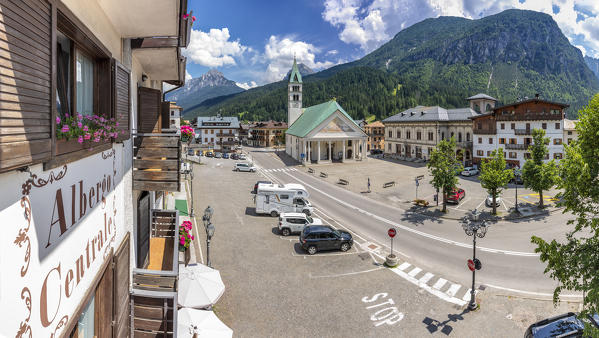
323,133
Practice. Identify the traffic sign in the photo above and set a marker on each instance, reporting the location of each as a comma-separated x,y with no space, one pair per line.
471,265
391,232
477,264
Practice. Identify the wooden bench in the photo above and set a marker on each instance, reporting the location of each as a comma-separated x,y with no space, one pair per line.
389,184
323,174
161,254
342,181
421,203
310,170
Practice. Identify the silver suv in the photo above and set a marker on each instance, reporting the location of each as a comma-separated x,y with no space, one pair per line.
240,166
295,222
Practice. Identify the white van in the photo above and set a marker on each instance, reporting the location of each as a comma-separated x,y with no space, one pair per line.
294,222
242,166
275,199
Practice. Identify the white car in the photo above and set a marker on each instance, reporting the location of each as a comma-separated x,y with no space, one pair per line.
469,171
242,157
295,222
489,201
241,166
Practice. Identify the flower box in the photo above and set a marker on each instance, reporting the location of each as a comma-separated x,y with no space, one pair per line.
64,146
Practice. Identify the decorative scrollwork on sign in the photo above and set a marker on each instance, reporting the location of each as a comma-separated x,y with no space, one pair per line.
40,182
25,328
22,237
63,321
108,154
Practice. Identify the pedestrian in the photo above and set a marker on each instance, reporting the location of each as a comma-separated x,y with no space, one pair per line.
368,184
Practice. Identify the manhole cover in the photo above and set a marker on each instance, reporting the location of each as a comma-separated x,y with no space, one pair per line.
372,247
482,287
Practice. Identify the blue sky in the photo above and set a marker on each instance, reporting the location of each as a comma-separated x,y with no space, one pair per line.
253,41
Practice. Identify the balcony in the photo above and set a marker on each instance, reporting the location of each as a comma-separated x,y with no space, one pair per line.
156,160
517,146
483,132
226,143
154,287
226,135
523,131
465,144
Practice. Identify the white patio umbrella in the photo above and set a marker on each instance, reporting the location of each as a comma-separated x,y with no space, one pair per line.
203,322
199,286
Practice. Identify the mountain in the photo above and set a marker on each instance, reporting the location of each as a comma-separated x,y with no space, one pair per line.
212,84
303,69
593,64
439,61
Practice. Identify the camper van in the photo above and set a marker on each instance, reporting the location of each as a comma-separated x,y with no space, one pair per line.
275,199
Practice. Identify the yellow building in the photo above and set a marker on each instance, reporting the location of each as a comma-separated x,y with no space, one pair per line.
376,135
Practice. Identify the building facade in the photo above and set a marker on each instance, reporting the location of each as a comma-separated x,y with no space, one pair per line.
72,235
510,127
570,133
220,133
376,135
175,116
268,134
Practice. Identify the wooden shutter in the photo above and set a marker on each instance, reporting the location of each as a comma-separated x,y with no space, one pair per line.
166,115
104,303
122,99
121,310
26,98
148,117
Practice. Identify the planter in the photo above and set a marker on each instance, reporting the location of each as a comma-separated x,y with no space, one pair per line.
64,146
182,248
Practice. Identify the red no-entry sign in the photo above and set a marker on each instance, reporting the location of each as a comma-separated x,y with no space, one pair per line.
391,232
471,265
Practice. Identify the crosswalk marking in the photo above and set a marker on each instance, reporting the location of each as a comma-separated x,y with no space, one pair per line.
453,289
427,276
439,284
467,295
404,266
414,272
279,169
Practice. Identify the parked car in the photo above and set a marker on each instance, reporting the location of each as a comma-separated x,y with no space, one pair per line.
469,171
234,156
323,237
456,196
242,166
199,153
226,155
566,325
376,151
209,153
255,191
489,201
242,157
190,152
295,222
218,155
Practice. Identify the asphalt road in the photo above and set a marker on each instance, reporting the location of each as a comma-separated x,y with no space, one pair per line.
508,259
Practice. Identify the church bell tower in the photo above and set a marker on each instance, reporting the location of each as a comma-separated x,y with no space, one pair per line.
294,90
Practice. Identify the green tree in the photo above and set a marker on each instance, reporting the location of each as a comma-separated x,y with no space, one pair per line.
444,167
494,175
539,176
575,262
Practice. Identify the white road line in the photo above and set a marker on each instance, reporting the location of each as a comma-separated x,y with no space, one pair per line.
530,292
481,202
467,295
326,254
427,276
414,272
453,289
346,274
504,205
428,289
424,234
439,284
459,205
404,266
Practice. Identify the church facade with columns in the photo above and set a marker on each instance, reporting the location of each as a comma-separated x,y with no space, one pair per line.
320,133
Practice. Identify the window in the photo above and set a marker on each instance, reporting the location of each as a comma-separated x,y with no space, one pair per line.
558,156
389,146
569,132
211,131
418,135
547,156
513,126
86,323
284,197
503,126
501,141
528,126
513,154
557,125
452,134
557,141
205,139
467,137
85,84
544,125
480,153
459,137
408,134
480,140
490,140
513,141
479,125
172,113
488,153
430,135
390,134
528,140
442,135
212,139
399,134
527,156
569,140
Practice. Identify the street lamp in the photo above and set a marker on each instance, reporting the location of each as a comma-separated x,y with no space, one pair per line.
516,175
475,228
191,183
209,231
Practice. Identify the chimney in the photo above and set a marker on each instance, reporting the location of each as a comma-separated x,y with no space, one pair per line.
537,96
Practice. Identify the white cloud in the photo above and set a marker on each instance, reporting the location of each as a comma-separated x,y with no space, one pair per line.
187,75
247,85
278,57
370,23
213,48
332,52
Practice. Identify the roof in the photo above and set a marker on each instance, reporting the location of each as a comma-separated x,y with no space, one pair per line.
536,100
218,121
375,124
359,122
270,125
314,116
481,96
295,76
174,105
432,114
570,124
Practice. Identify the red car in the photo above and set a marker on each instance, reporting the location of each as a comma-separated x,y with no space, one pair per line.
456,196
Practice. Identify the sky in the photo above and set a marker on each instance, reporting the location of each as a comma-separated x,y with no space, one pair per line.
253,42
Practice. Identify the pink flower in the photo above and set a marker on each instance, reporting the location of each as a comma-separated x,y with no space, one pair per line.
65,128
85,128
80,139
87,136
79,116
79,124
57,119
117,124
192,238
67,115
182,241
185,16
193,18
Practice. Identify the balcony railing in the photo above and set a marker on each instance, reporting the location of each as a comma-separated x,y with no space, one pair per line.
465,144
517,146
225,135
156,160
522,131
155,287
226,143
483,132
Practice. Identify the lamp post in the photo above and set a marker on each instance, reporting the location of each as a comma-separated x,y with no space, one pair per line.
191,214
516,175
475,228
209,231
